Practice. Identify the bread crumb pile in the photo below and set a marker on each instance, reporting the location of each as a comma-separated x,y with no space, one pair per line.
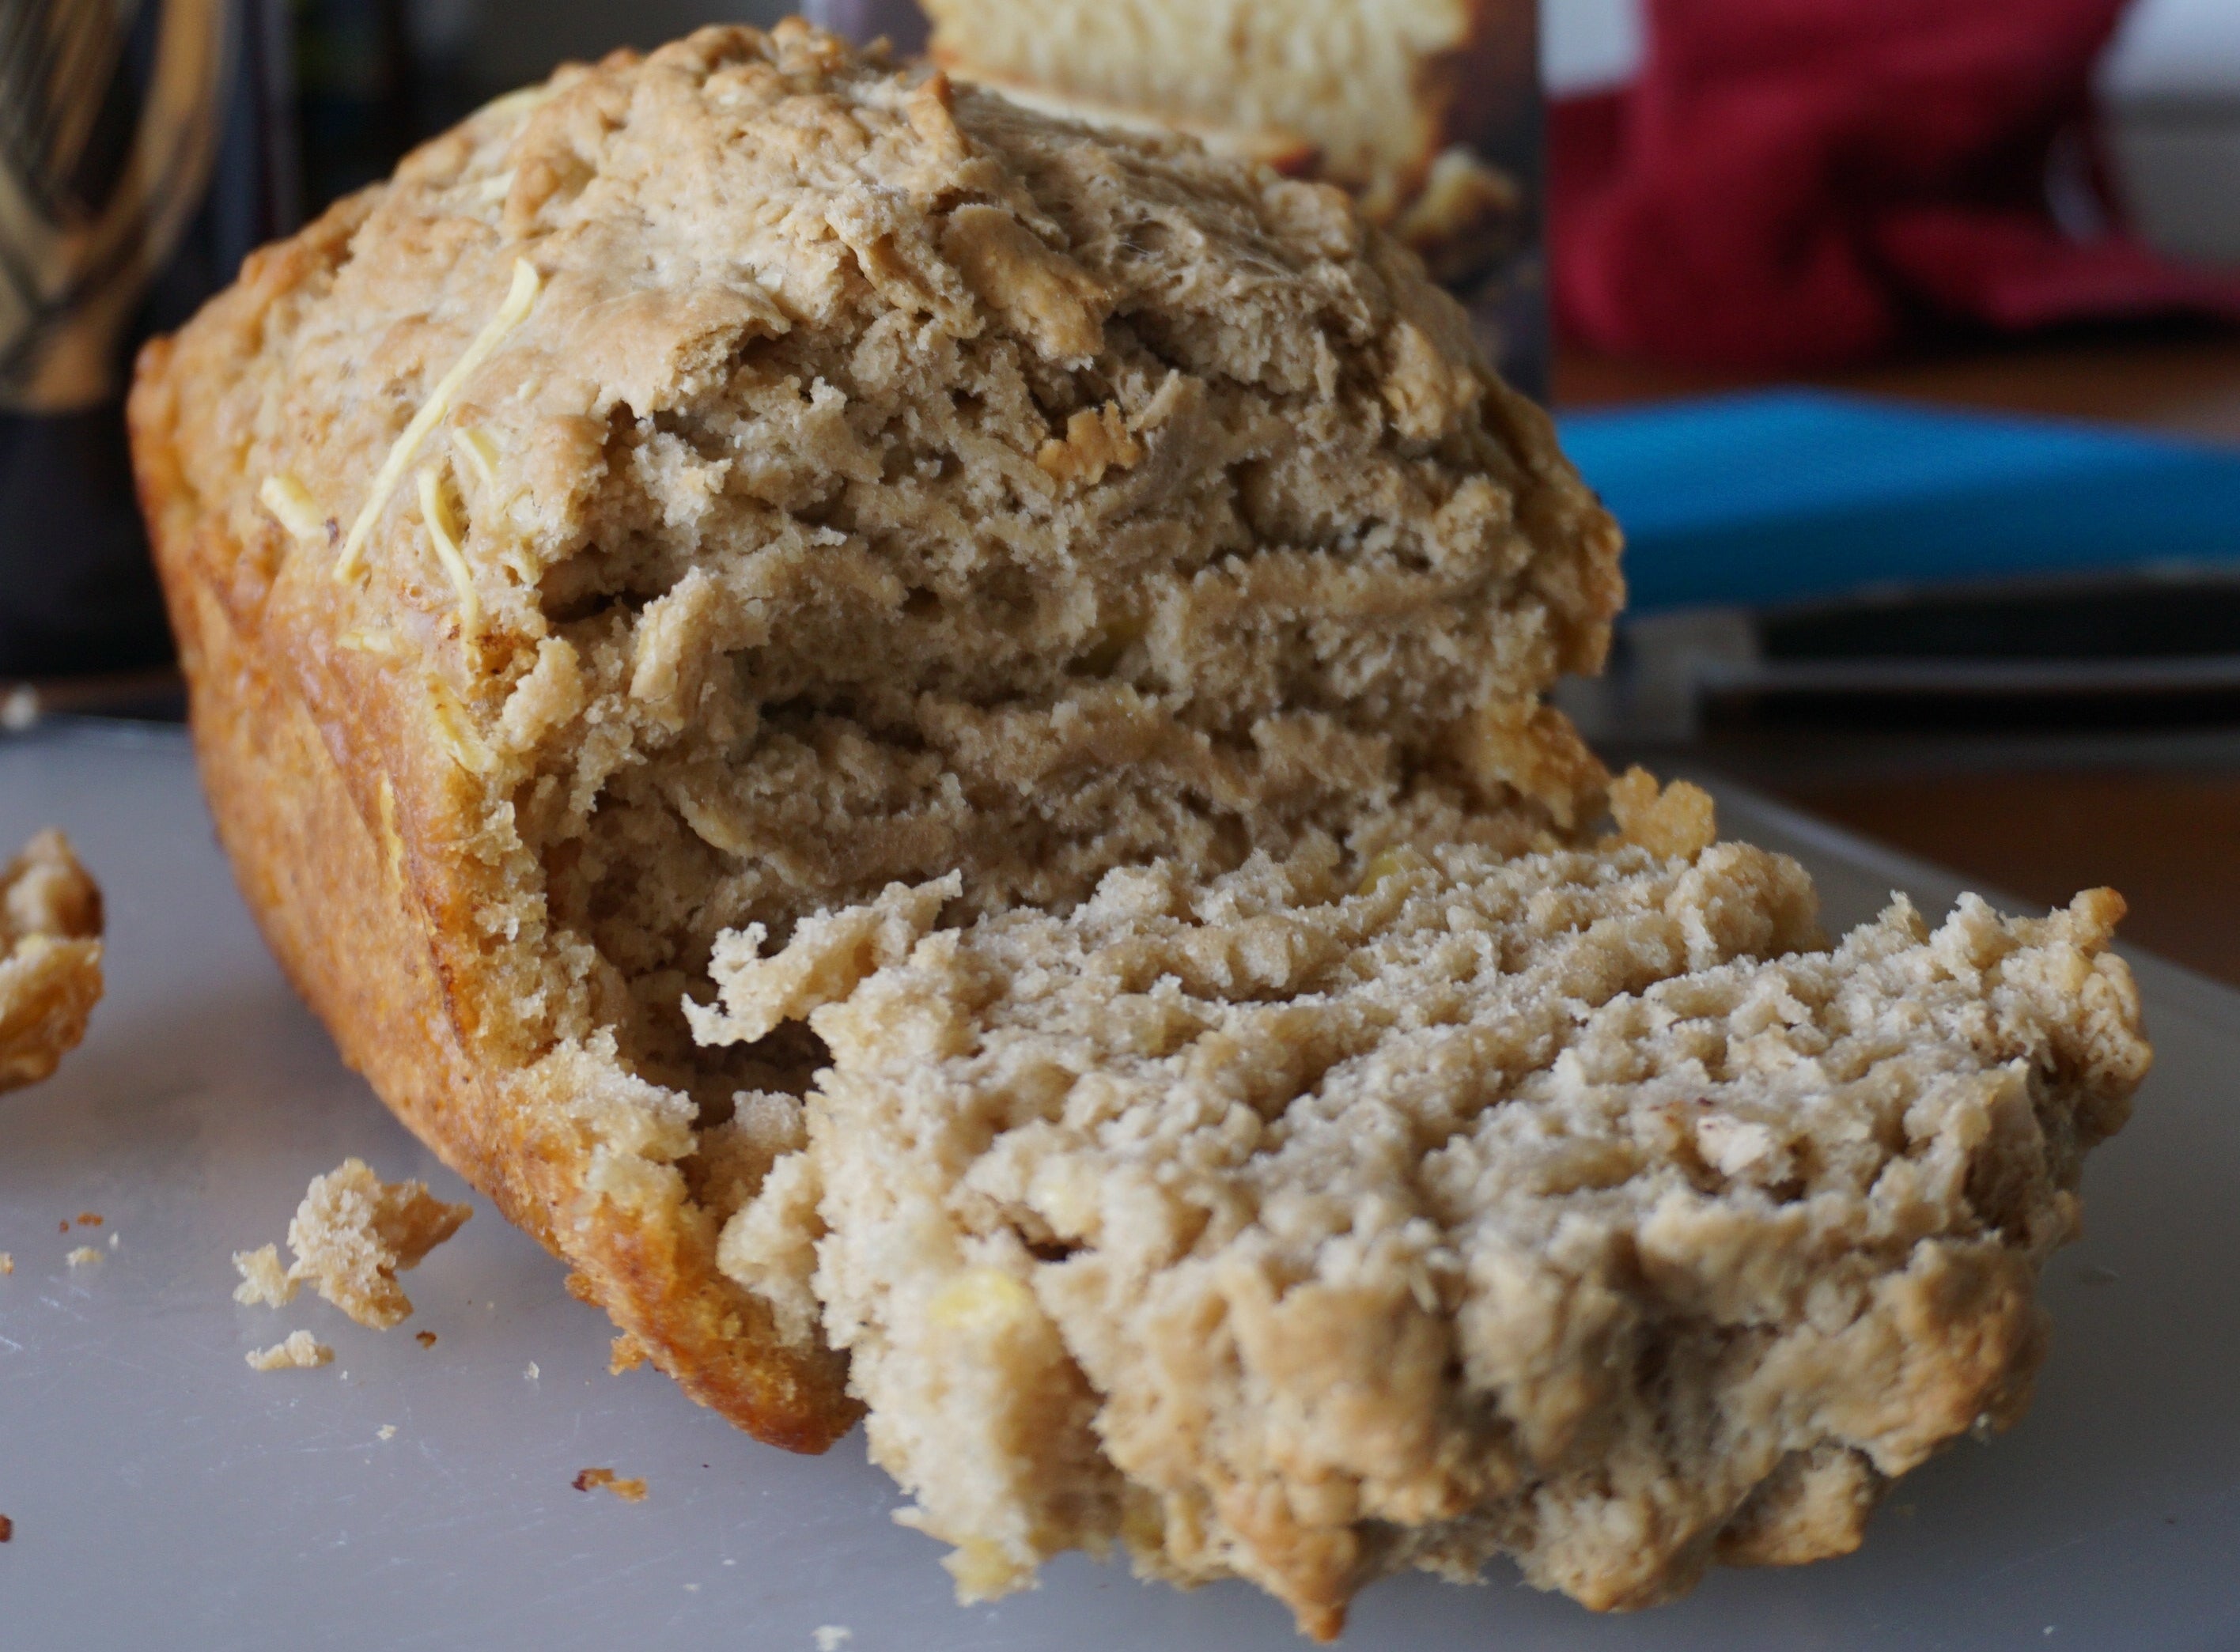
51,922
351,1236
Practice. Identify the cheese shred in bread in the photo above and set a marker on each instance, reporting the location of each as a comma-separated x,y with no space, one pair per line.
521,295
477,453
293,507
443,535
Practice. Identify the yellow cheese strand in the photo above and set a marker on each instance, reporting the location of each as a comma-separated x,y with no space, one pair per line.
292,506
362,641
518,299
436,511
478,452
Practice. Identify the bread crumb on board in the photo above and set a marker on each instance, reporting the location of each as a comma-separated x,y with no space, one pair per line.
7,1529
386,1431
426,1339
351,1236
7,1263
263,1278
831,1637
628,1490
49,958
84,1256
300,1352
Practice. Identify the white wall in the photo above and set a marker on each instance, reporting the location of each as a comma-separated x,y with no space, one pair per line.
1586,45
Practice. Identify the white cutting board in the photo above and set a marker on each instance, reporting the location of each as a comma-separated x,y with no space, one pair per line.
167,1498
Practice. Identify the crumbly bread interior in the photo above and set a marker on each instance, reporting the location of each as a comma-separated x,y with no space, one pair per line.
1323,1219
51,922
1360,82
747,476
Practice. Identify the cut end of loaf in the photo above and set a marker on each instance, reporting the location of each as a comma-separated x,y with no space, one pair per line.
1347,1213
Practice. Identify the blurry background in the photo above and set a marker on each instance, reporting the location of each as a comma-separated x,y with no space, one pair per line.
2169,83
2171,80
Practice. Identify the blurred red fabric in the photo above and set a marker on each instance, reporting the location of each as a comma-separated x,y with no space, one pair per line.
1806,183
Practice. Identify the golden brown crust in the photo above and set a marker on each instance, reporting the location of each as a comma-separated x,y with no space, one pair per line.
352,931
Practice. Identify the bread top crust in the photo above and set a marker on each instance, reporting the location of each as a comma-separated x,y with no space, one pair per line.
1174,366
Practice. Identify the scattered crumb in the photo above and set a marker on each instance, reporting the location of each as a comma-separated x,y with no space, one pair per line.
7,1262
83,1256
354,1232
351,1236
692,1589
386,1431
7,1528
116,1241
49,958
628,1490
64,1226
529,1373
89,1218
625,1353
426,1339
263,1278
730,1562
298,1353
831,1637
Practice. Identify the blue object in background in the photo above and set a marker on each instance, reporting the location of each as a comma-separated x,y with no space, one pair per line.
1794,494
